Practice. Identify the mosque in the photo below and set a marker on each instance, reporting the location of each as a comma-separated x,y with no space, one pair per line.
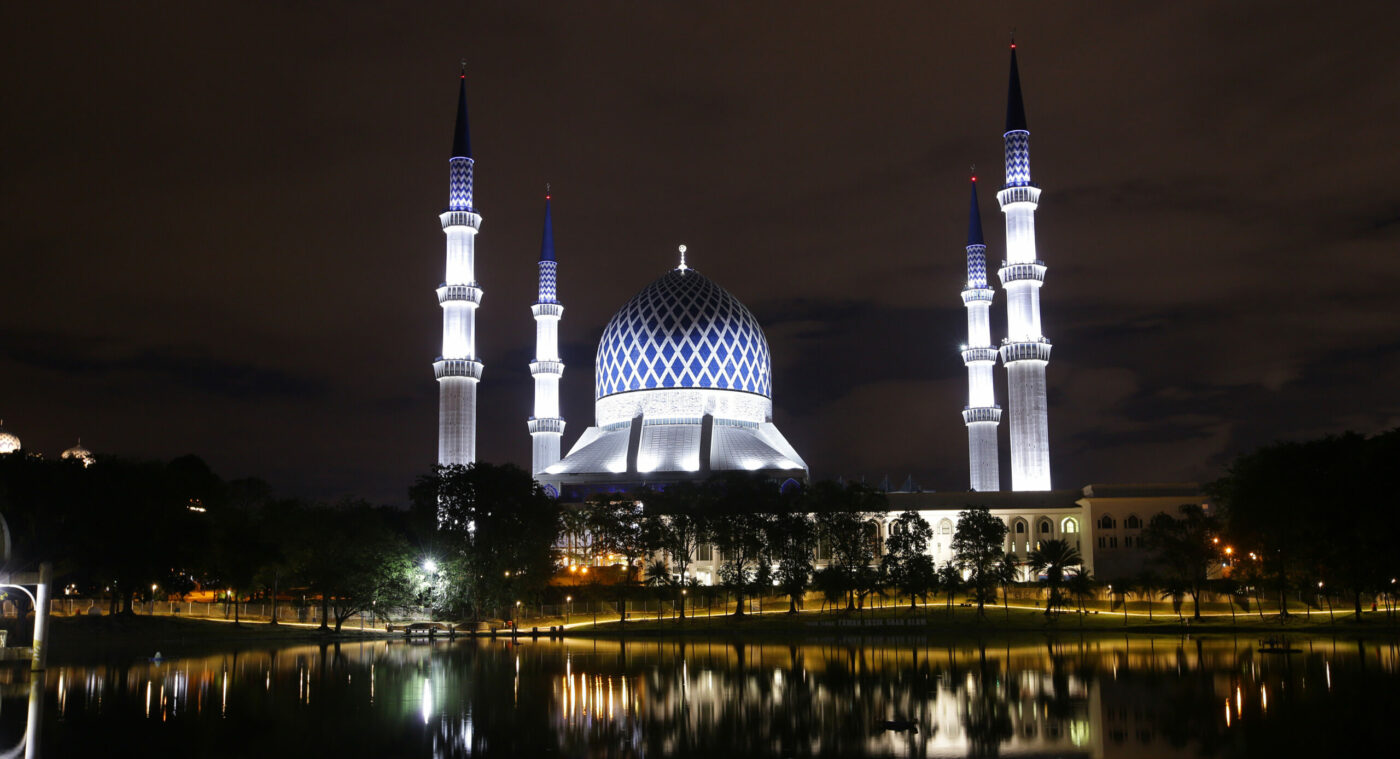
684,389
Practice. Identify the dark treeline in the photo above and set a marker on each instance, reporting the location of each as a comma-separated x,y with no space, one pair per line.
1294,523
124,530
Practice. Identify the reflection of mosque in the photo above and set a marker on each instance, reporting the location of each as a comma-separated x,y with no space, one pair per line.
684,387
1091,698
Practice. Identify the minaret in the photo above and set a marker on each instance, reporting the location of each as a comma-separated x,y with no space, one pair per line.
1024,351
457,370
546,427
982,415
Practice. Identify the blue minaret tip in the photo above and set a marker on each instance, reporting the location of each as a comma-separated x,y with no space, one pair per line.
547,243
1015,108
461,135
974,219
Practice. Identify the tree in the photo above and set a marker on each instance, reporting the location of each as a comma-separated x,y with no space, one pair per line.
1123,587
1081,585
1147,583
677,525
355,559
791,543
1006,572
977,547
500,525
1189,546
950,580
843,517
906,555
1314,508
739,536
1053,558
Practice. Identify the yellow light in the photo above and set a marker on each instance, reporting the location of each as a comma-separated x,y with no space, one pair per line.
568,599
1229,550
585,570
573,567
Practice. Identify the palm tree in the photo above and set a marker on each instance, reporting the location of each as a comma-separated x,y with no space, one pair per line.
1082,584
1147,583
1052,558
1175,590
1122,588
1007,571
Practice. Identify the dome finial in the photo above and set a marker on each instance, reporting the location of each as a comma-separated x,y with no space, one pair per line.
682,266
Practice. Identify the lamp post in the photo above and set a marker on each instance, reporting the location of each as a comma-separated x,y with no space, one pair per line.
569,607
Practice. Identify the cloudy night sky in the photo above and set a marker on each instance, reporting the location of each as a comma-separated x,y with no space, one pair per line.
220,230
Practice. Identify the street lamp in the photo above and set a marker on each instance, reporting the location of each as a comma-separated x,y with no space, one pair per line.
569,600
430,566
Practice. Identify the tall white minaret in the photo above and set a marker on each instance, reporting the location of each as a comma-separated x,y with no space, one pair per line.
457,370
546,426
1024,351
982,415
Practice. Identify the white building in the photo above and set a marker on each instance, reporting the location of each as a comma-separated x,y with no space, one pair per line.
684,389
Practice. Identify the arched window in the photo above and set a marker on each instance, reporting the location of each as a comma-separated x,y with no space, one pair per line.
876,545
1020,527
945,527
1069,525
1106,522
1045,527
1132,522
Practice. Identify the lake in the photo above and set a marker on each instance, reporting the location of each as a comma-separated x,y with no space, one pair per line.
1091,697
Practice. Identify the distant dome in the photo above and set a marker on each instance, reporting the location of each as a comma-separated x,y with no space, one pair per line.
9,442
80,453
683,331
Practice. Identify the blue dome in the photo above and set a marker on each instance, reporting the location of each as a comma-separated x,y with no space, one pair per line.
683,331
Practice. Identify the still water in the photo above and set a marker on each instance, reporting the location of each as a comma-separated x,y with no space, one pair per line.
1139,697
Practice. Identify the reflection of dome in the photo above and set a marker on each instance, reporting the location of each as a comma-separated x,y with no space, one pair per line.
9,442
683,331
80,453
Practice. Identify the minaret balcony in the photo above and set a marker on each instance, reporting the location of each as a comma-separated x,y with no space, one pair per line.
546,367
471,294
555,310
555,426
467,368
460,219
1019,194
1033,271
979,355
972,295
982,415
1025,350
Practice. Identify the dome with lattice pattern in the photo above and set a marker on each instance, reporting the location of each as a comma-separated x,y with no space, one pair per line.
683,331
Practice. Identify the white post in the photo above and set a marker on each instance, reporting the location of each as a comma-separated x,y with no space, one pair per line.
41,618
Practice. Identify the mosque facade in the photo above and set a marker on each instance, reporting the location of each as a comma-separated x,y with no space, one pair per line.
684,388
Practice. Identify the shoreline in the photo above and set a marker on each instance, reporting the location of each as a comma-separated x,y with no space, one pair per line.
80,639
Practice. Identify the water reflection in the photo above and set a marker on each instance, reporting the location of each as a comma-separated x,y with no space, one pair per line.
1139,698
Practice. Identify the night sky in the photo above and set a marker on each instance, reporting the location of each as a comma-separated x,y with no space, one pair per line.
220,227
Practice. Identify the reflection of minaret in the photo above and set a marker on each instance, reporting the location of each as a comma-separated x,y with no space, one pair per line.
546,427
1025,351
458,369
982,415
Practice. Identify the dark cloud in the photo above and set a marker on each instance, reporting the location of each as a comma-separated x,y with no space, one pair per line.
220,233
